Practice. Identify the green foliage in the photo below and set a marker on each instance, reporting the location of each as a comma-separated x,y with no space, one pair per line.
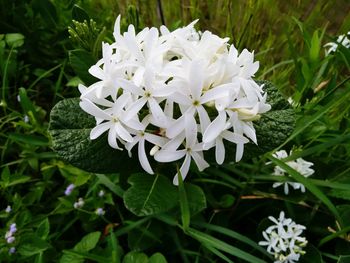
214,216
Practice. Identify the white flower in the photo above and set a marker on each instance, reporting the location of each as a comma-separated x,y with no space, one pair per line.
8,209
79,204
69,189
101,193
299,165
10,239
12,250
343,40
100,211
179,80
284,240
192,150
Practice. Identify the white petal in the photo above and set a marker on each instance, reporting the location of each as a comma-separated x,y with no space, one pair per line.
196,79
112,138
134,108
99,129
176,127
190,130
93,110
203,118
165,156
219,151
183,170
199,160
123,133
213,94
131,87
215,128
239,151
97,72
234,137
156,110
155,139
143,157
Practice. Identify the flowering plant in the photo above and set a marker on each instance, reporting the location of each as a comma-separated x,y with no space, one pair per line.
175,95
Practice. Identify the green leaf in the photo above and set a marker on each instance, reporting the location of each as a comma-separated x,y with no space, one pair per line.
157,258
135,257
71,256
195,198
309,185
208,240
344,259
315,46
149,194
88,242
14,40
47,10
31,245
184,205
70,131
81,61
43,229
79,14
80,250
312,255
29,139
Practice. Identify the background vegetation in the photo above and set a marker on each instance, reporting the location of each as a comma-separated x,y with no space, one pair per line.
38,68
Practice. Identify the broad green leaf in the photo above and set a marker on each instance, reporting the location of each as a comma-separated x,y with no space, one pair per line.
135,257
88,242
79,14
79,252
31,244
149,194
14,40
157,258
195,198
71,256
81,61
70,130
43,229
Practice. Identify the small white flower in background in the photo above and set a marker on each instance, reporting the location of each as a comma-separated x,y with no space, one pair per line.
8,209
284,240
100,211
18,98
79,204
9,234
69,189
152,84
12,250
101,193
26,118
299,165
343,40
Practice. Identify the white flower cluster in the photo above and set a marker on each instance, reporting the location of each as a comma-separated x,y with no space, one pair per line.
9,236
343,40
184,92
299,165
284,240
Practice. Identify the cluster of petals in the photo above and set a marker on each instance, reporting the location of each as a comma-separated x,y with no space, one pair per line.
182,92
299,165
343,40
284,240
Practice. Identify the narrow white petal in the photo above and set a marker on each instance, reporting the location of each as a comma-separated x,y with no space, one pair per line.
190,130
156,110
155,139
215,128
165,156
239,151
196,79
129,86
214,94
93,110
185,167
112,138
234,137
134,108
219,151
199,160
203,118
143,157
123,133
176,127
97,72
99,129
